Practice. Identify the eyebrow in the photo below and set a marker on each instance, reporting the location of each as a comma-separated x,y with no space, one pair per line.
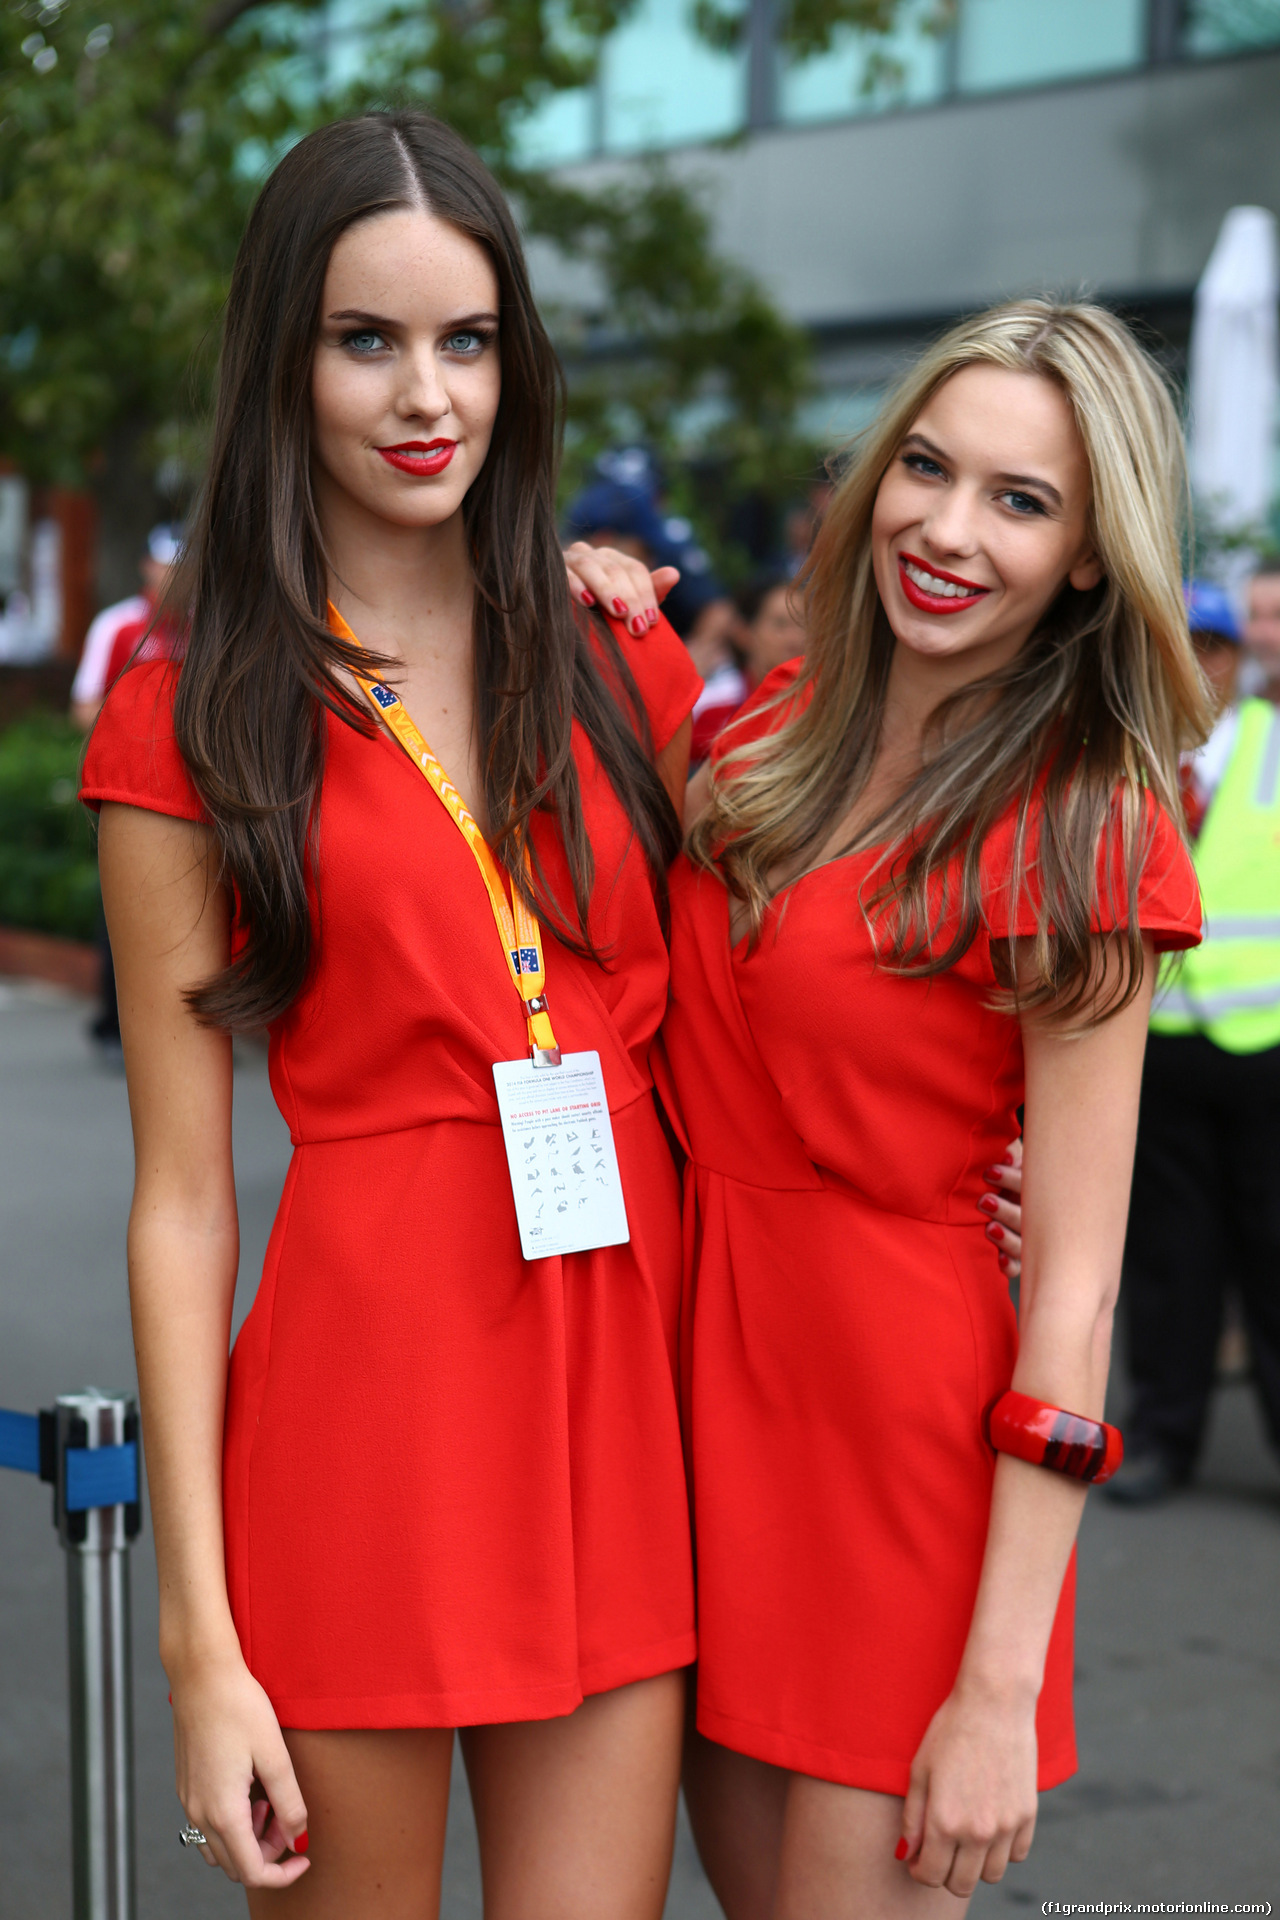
1027,480
380,320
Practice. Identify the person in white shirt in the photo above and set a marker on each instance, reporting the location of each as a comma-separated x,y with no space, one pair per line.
90,684
88,691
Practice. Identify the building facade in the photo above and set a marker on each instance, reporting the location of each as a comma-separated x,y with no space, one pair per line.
991,148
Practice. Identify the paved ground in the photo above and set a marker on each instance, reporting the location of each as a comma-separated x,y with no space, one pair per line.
1179,1634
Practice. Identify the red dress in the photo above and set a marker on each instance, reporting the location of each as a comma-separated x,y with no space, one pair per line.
453,1482
849,1319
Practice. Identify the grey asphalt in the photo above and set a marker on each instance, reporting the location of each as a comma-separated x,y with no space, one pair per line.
1178,1696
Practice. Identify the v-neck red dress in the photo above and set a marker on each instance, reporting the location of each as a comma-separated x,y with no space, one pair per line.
453,1483
849,1320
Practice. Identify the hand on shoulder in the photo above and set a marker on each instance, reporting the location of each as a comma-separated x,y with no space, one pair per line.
619,584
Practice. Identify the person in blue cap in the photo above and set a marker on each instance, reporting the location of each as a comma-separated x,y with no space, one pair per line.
1205,1214
619,508
1216,637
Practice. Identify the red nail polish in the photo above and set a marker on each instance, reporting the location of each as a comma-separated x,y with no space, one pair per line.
993,1232
639,625
994,1174
988,1203
1003,1259
588,598
901,1851
302,1842
619,606
653,616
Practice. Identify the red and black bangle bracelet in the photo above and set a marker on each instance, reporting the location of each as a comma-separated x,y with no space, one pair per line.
1032,1430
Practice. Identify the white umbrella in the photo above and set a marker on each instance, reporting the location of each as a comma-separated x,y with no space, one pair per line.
1235,373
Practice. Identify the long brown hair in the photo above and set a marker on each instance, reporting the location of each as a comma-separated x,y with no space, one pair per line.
260,663
1092,713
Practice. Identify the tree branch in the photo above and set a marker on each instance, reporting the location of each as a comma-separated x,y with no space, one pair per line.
222,18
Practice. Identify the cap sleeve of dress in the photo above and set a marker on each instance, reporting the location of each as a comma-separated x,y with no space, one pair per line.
762,713
1168,893
668,681
132,756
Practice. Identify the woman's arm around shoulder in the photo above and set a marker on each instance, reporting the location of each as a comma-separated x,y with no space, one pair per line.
672,763
168,919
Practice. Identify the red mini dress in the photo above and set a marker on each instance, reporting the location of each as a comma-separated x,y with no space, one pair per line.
453,1483
849,1322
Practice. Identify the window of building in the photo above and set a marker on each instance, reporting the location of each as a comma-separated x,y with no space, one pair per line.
1020,43
836,415
559,131
1229,26
866,73
663,86
659,84
564,126
349,39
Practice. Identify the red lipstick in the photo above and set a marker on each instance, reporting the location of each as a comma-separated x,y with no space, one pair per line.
928,602
419,456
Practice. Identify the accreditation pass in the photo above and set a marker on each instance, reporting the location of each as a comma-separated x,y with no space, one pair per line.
564,1170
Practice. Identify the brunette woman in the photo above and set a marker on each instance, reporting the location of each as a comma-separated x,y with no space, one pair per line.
440,1484
937,865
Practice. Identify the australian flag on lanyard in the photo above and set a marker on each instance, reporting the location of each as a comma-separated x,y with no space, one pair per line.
526,959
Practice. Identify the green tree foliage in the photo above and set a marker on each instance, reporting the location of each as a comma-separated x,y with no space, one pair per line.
121,199
134,134
687,351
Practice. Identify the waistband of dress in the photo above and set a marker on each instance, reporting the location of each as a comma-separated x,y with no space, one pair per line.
826,1181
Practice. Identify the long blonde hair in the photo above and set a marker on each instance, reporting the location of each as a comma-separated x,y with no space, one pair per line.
1093,712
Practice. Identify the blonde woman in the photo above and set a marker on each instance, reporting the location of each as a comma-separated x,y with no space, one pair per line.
936,866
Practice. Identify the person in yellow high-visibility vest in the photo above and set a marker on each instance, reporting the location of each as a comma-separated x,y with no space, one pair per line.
1205,1213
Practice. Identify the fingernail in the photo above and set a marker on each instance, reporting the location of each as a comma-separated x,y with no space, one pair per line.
901,1851
994,1174
653,616
619,606
993,1232
302,1842
988,1203
588,598
639,624
1003,1259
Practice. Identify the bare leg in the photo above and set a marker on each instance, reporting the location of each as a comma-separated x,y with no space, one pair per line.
576,1816
838,1864
736,1809
377,1806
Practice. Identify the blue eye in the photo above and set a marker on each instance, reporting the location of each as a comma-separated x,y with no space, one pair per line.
365,340
468,340
921,463
1025,503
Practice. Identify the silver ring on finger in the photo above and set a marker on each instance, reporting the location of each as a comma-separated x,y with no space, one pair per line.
190,1836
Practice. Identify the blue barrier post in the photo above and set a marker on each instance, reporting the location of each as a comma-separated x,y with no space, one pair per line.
87,1447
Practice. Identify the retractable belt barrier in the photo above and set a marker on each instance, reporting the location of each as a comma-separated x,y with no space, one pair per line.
86,1448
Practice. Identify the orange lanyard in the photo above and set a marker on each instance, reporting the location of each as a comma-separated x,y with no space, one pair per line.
517,929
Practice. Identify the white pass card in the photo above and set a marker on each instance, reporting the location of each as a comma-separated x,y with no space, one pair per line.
564,1171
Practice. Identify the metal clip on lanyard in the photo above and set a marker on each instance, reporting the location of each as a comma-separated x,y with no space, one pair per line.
519,932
